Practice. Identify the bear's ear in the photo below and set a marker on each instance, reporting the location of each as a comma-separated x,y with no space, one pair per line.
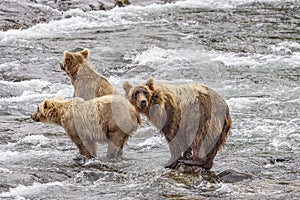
47,104
85,52
150,84
126,87
68,55
78,57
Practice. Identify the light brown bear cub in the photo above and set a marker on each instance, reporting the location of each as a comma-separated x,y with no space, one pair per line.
87,82
194,119
111,119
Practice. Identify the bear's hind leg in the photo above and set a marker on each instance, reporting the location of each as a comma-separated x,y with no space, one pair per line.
208,165
191,157
123,142
112,150
82,148
91,146
221,141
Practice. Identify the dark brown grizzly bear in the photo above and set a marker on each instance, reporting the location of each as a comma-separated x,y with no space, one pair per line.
194,119
87,82
110,119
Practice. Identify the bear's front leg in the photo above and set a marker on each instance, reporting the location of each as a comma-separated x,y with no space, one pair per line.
172,164
91,146
175,151
73,135
82,149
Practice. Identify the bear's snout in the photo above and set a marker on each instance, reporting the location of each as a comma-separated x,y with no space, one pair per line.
143,103
35,118
62,66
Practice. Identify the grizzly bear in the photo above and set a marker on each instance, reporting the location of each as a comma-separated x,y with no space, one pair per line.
87,82
111,119
193,118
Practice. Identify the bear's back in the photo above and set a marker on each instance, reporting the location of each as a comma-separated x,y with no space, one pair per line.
90,84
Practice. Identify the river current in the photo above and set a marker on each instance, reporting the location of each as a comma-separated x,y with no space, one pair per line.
246,50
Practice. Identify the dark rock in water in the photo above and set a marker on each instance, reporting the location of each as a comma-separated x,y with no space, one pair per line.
23,14
87,5
227,176
277,160
231,176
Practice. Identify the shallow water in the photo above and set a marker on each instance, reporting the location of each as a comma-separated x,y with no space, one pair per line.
247,50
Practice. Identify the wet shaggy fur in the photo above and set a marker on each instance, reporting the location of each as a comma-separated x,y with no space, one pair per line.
194,119
110,119
87,82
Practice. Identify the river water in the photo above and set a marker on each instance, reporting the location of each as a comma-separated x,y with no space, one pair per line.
247,50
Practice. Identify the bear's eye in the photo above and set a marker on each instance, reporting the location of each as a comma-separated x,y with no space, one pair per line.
38,109
146,94
68,62
136,94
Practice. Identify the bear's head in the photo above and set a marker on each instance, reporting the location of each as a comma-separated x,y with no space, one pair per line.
49,111
73,61
140,96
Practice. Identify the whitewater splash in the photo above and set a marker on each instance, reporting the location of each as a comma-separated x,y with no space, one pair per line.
78,20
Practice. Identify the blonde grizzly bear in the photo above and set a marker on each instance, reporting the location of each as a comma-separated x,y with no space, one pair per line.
111,119
194,119
87,82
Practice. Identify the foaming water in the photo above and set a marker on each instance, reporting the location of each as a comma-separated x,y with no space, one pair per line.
32,90
77,20
38,188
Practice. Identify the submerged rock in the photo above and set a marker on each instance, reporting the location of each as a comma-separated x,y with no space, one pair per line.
231,176
22,14
278,160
